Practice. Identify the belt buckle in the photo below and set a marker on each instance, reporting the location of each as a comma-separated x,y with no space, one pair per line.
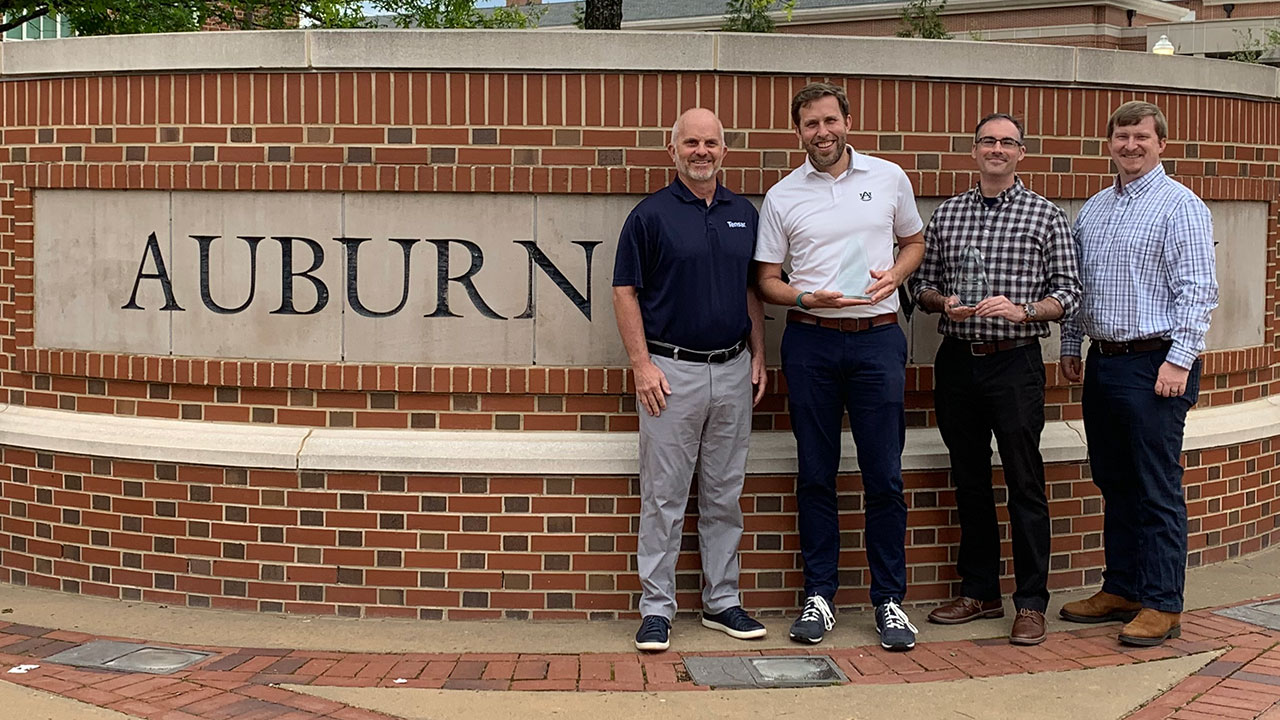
717,356
973,349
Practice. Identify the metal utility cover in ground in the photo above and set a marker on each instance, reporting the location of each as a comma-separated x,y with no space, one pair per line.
128,657
1266,614
775,671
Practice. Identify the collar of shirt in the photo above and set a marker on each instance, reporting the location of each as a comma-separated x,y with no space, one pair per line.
1006,195
856,162
1134,188
681,191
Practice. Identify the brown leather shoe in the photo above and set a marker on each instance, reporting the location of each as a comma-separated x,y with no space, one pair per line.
1151,627
1102,607
1028,628
963,609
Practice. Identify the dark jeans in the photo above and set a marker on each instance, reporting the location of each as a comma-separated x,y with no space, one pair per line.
829,373
1135,448
1000,394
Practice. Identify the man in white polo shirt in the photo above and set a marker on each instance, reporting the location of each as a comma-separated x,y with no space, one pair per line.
834,220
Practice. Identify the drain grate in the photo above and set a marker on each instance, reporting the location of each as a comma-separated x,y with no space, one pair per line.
775,671
1266,614
128,657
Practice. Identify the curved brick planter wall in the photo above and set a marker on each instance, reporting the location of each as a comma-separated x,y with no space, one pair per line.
547,114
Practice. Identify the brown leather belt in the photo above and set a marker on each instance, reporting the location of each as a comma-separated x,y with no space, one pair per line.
842,324
1132,346
991,347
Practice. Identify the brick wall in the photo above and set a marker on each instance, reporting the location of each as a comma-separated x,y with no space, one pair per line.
487,546
546,133
1215,11
519,547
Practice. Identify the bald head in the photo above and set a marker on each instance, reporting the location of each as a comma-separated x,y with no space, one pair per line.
697,116
697,148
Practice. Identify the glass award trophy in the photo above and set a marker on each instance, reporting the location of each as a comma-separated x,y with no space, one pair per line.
855,274
971,282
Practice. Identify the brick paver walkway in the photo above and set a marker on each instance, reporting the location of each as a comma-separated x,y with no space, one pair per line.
240,683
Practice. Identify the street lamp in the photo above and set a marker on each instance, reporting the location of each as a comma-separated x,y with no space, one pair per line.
1163,46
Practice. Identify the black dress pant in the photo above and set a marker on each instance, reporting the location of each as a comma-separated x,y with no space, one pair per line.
976,397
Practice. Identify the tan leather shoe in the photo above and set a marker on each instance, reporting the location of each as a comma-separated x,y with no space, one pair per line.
1151,627
1028,628
1102,607
964,609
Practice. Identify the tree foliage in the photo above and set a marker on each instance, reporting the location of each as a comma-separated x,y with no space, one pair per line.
1251,48
753,15
117,17
923,19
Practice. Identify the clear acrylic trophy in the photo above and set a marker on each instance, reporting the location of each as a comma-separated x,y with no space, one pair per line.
971,282
855,274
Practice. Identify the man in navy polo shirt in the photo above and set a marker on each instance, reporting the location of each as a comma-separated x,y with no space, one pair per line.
686,315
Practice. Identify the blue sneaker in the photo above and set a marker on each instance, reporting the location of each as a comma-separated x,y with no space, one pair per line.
814,621
896,631
734,622
653,633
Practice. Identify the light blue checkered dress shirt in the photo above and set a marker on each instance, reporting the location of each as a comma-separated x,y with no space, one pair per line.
1147,266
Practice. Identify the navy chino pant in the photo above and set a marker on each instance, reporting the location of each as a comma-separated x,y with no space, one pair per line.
829,373
1135,449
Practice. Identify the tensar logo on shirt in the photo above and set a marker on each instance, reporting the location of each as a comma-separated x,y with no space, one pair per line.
732,223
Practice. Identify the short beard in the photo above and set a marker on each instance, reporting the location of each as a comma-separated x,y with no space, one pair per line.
813,159
700,175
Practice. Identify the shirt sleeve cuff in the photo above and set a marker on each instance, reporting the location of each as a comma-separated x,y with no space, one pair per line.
1181,357
1067,301
1070,347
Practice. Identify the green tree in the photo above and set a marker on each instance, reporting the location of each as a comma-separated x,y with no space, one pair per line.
1251,48
454,14
115,17
923,19
753,15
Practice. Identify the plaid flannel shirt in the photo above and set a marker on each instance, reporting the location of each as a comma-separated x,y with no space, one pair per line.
1027,245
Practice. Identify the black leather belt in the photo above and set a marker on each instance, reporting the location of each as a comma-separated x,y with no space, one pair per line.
1132,346
842,324
991,347
714,357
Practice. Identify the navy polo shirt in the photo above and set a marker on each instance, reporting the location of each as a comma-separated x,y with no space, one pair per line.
690,264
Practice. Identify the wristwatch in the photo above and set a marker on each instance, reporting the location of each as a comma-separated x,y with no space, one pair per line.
1030,310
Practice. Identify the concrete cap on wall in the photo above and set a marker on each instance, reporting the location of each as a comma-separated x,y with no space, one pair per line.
895,57
631,51
1175,72
501,452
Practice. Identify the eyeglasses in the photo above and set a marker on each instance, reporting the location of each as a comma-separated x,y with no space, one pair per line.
987,141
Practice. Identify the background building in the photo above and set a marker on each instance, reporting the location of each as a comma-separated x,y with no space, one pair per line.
1195,27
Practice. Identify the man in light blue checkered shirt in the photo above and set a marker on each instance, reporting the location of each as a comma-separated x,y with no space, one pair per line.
1147,266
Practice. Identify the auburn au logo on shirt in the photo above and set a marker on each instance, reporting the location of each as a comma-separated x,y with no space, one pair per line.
865,196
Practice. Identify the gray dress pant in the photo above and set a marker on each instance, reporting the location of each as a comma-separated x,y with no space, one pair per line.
707,423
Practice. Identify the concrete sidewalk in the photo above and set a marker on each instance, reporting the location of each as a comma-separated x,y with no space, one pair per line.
1106,692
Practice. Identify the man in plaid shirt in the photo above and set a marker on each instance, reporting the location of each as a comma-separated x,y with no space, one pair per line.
989,376
1147,261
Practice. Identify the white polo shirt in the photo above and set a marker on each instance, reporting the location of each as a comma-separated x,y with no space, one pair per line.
809,220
